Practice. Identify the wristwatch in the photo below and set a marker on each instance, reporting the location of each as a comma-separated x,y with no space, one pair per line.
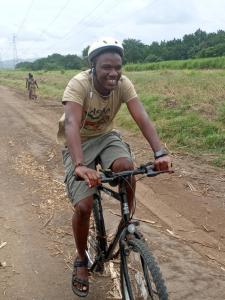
160,153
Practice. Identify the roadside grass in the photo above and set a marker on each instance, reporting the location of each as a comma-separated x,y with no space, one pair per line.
197,63
52,83
187,106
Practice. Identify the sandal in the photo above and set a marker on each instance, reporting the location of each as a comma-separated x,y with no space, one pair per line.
76,280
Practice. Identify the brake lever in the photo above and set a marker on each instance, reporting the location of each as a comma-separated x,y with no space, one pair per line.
151,172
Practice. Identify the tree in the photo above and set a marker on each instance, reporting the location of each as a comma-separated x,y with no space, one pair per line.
197,44
85,56
217,50
73,62
134,51
85,52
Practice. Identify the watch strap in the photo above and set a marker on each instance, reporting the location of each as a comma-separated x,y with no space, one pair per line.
80,164
160,153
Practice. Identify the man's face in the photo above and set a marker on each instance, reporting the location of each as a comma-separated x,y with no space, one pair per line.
108,70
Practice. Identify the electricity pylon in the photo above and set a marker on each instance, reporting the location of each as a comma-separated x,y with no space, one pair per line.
15,58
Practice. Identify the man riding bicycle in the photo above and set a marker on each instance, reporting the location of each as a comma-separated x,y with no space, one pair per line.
91,101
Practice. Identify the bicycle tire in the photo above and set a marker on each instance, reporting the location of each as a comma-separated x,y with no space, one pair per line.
95,242
140,275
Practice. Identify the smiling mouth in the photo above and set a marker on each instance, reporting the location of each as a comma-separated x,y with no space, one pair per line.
112,82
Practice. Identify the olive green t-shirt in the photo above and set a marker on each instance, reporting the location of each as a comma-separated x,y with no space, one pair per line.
98,111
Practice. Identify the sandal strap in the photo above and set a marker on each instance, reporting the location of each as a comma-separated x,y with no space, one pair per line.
81,281
81,263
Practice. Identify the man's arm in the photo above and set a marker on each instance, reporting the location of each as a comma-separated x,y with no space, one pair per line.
147,128
73,114
73,117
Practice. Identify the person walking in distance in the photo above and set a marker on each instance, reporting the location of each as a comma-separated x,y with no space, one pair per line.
31,85
91,101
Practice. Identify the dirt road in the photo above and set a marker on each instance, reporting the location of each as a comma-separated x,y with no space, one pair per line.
186,211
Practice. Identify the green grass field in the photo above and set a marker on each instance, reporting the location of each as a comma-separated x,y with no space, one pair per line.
189,64
187,106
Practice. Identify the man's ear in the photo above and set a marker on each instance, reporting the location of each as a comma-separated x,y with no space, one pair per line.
93,70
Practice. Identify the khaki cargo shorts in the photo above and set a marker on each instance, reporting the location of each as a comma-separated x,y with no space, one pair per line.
105,149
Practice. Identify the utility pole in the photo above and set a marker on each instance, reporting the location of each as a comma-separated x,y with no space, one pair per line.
15,58
1,63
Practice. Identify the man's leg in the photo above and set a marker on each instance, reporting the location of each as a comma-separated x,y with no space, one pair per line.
80,224
124,164
30,94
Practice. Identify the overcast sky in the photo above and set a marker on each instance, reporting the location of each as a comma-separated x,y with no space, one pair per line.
42,27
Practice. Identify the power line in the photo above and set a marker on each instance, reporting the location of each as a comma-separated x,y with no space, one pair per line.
96,18
113,7
79,22
25,17
15,57
82,19
1,62
56,17
89,23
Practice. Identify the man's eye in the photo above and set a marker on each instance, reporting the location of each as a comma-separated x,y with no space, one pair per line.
110,68
107,68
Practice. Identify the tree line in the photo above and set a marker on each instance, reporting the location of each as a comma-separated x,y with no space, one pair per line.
199,44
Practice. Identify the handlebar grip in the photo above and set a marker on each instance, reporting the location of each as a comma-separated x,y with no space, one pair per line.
78,178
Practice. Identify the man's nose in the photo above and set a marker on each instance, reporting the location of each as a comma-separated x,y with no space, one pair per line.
113,73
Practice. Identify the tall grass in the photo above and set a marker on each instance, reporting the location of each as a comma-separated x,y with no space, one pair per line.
52,83
187,106
200,63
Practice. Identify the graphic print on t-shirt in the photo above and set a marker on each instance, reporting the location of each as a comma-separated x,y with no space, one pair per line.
96,119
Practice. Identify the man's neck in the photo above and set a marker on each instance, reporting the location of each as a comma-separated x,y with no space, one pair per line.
101,90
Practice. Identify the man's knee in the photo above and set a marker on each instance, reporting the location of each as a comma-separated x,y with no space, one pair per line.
84,207
122,164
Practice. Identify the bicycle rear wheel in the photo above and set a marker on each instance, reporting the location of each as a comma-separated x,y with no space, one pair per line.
96,242
140,275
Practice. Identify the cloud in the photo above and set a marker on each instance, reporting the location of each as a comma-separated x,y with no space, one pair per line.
166,12
43,31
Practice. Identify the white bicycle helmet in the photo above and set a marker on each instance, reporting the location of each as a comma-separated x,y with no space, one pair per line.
104,44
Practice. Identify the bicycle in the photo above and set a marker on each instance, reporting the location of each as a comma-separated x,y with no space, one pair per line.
140,276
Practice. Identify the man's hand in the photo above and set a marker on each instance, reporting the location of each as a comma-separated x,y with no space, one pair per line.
91,176
163,163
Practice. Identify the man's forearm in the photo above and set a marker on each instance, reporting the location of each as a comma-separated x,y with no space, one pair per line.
148,130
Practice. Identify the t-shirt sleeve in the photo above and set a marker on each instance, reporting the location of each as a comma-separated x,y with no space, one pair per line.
74,92
128,91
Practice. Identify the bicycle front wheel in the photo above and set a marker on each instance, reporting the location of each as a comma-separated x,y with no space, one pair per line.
140,275
96,242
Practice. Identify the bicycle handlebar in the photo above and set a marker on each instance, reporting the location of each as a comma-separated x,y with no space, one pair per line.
108,176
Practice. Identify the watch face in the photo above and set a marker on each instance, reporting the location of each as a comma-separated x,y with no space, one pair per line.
160,153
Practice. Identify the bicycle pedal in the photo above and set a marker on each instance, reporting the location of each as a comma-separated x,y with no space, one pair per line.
99,269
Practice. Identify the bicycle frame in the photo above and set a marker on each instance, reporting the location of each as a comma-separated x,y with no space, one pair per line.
107,252
146,278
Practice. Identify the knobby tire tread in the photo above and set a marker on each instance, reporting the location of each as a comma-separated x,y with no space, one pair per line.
150,261
96,215
98,233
